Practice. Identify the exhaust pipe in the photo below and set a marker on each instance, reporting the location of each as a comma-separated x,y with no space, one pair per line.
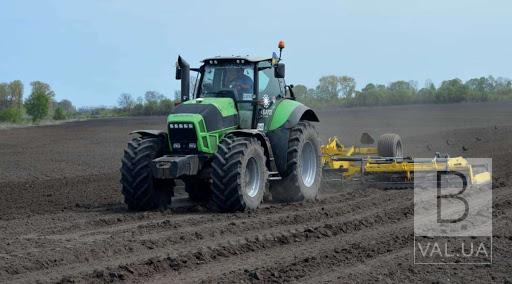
183,74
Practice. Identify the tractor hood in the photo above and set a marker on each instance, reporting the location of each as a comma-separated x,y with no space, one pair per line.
217,113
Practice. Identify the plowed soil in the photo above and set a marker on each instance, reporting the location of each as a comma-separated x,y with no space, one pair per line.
62,218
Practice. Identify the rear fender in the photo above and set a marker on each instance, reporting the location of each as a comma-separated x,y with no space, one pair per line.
288,113
301,112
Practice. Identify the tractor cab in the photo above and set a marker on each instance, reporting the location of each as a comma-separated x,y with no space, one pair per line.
255,84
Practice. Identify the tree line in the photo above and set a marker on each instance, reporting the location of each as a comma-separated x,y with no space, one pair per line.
39,105
330,90
152,103
341,90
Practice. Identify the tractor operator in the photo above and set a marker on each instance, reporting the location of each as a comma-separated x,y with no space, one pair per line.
240,82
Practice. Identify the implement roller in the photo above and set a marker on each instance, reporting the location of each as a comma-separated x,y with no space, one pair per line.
385,166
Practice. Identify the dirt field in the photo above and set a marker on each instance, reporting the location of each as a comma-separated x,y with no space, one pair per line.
62,218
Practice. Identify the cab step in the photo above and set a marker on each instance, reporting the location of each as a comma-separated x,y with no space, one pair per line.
274,176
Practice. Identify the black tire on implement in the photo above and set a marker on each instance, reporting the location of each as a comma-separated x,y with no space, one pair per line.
199,190
303,175
141,191
390,145
239,174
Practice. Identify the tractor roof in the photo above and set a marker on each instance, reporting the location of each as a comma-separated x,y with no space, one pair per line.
238,57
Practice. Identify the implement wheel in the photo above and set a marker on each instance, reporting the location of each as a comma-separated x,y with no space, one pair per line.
390,145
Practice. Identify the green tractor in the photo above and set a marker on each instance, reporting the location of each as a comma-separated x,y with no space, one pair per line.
238,136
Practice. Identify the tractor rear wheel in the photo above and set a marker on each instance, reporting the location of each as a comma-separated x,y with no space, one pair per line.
302,178
390,145
141,191
239,174
198,189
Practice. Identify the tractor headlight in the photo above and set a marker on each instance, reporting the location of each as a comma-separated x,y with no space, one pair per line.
180,125
176,145
192,145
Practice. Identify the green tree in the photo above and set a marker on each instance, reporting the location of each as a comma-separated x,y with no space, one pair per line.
67,106
400,92
151,108
152,99
371,94
126,102
37,106
13,115
4,96
427,94
333,87
153,96
16,93
43,88
451,91
503,89
347,86
165,106
328,87
59,113
301,92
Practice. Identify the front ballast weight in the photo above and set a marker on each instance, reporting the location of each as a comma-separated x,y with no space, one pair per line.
172,167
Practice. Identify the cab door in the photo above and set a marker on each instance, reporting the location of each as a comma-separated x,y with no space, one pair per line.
270,91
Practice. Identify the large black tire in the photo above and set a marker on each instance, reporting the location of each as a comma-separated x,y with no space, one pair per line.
141,191
199,190
303,175
235,184
390,145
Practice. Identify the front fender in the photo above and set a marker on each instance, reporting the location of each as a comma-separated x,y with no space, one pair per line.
150,133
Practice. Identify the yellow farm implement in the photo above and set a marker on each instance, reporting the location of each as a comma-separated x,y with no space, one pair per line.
386,166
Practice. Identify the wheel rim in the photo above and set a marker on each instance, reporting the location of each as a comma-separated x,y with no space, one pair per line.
252,180
308,164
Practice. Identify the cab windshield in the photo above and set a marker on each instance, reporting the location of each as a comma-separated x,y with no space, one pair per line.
228,80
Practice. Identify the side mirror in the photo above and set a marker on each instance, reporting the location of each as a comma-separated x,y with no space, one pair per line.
279,71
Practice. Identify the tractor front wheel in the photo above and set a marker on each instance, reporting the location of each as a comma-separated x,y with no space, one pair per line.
302,178
141,191
239,176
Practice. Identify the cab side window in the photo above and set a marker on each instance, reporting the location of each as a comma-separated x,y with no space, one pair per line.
267,83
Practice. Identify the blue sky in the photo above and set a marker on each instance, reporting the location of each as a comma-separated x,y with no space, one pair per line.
92,51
